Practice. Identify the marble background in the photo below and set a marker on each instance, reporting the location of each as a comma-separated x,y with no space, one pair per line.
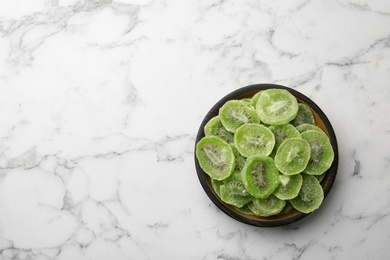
100,102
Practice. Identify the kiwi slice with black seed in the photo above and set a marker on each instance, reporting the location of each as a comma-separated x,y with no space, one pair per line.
310,196
235,113
321,152
215,157
292,156
233,192
214,127
277,107
267,207
254,139
289,186
304,116
260,176
282,133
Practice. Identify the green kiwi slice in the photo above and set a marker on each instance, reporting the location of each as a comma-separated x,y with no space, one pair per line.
282,133
267,207
277,106
240,162
254,139
255,98
304,116
304,127
260,176
215,157
321,152
292,156
320,177
289,186
214,127
310,196
233,192
235,113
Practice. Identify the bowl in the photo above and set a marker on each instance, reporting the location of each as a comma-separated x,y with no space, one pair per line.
278,220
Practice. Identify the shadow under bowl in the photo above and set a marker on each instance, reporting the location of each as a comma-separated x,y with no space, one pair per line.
278,220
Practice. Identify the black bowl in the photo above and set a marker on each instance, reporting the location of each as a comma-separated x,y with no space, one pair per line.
278,220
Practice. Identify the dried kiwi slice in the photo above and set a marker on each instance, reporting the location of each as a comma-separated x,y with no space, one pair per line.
292,156
321,152
254,139
310,196
255,98
215,157
266,207
240,161
214,127
289,186
304,127
260,176
215,184
235,113
320,177
304,116
282,133
277,106
287,208
233,192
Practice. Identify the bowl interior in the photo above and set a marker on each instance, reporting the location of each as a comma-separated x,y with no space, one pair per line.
321,121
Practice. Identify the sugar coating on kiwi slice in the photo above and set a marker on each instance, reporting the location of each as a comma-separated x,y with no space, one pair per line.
292,156
289,186
321,152
235,113
215,157
267,207
277,106
254,139
214,127
260,176
310,196
304,116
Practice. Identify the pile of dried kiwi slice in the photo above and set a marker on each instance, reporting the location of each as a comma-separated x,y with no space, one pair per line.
265,155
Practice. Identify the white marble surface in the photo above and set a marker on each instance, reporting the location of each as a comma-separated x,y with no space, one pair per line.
100,102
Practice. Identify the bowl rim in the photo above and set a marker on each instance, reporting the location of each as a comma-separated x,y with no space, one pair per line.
203,177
